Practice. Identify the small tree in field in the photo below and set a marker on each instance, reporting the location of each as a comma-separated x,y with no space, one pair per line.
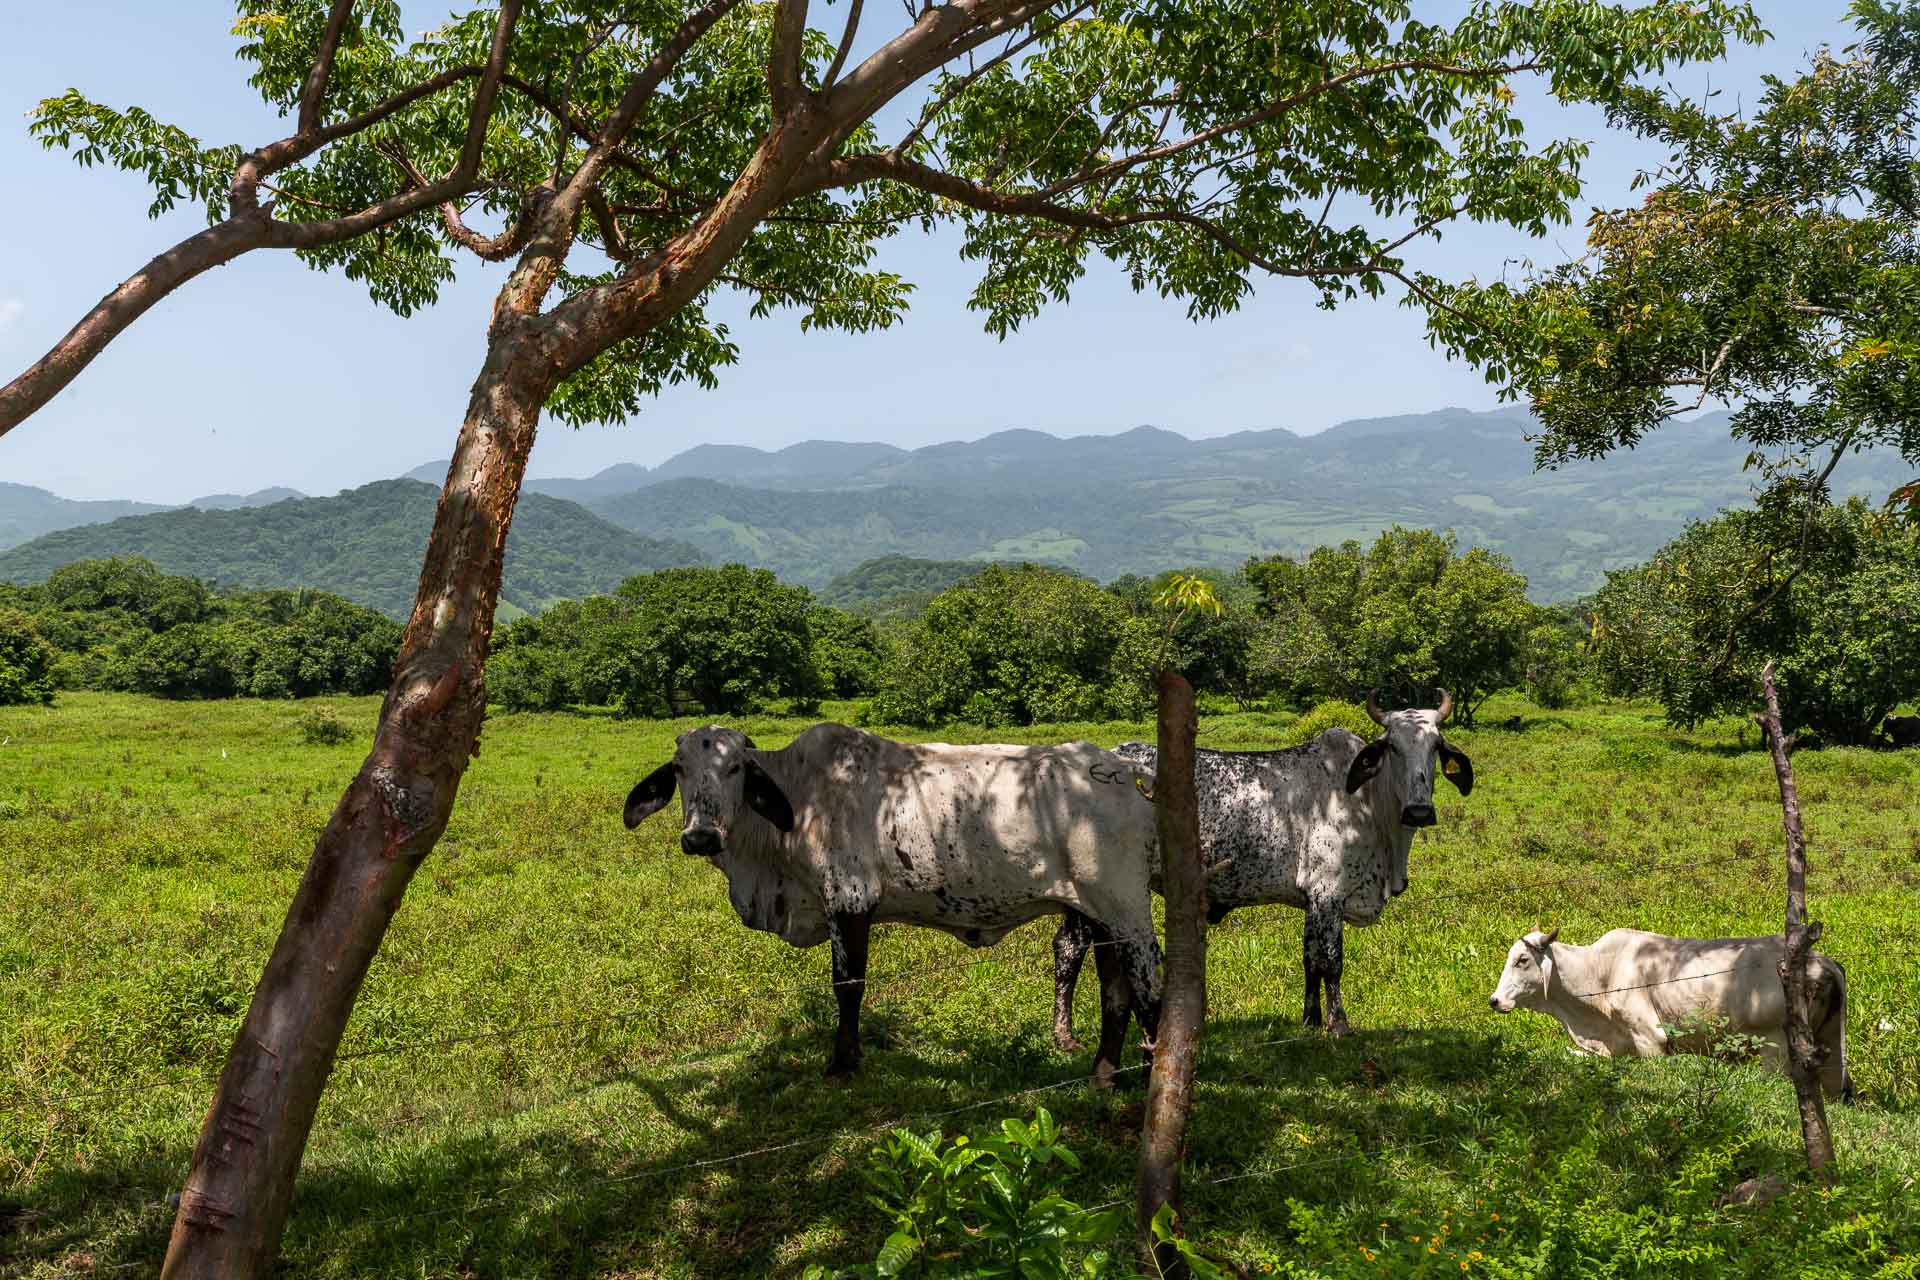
1404,616
636,159
26,661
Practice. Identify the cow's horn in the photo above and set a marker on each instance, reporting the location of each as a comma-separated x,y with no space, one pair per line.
1446,705
1373,709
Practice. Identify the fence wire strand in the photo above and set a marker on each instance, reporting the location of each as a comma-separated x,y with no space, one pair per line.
896,977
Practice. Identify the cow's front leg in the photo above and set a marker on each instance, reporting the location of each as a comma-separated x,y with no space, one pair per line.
847,933
1070,943
1324,958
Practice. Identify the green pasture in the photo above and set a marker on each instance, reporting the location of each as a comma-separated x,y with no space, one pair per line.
147,851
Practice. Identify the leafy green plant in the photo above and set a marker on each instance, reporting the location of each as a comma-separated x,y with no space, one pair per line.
323,727
26,661
985,1207
1717,1069
1331,714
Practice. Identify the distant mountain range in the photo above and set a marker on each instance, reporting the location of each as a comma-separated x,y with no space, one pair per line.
27,512
1141,501
363,544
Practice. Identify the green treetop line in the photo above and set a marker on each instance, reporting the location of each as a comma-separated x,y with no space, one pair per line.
1011,645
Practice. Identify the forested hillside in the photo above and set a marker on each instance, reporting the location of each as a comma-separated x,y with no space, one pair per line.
27,512
363,544
895,587
1139,502
1149,500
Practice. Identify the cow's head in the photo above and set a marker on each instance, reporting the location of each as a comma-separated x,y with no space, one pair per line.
719,781
1413,745
1528,975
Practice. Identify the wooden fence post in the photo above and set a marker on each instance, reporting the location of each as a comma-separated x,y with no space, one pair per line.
1183,1007
1805,1057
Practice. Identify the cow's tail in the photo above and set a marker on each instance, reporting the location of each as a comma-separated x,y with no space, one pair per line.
1837,1013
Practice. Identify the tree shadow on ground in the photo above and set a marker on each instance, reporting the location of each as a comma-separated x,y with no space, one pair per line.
751,1165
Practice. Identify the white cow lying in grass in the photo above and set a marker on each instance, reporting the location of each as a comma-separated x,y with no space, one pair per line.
1618,996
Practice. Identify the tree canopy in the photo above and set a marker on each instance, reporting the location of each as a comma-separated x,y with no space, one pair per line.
1193,145
1773,267
1844,634
1405,615
123,624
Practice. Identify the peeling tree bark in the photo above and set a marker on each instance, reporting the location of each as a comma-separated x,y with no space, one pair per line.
240,1185
1176,1044
1805,1055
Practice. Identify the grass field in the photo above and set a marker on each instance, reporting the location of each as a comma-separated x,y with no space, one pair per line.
147,851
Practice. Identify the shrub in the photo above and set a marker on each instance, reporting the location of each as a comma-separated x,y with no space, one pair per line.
323,727
1019,646
1332,714
26,661
994,1206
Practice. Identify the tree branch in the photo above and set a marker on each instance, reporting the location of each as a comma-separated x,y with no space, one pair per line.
1278,108
314,92
941,33
638,93
488,248
960,85
787,52
846,46
247,227
613,240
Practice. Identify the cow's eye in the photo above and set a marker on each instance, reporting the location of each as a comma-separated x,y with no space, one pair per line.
1525,961
734,770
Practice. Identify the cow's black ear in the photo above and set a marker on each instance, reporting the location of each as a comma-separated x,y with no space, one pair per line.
649,795
765,797
1456,767
1365,765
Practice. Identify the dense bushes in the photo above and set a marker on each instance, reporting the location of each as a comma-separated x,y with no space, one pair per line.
122,624
1692,627
1404,616
719,641
26,661
1020,645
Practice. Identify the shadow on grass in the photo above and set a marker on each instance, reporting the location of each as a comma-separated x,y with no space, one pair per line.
559,1191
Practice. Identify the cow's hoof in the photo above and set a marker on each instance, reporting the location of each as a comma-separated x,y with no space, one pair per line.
1064,1041
1339,1027
842,1070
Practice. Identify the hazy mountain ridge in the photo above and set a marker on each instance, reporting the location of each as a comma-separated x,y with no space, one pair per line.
364,544
1150,499
27,513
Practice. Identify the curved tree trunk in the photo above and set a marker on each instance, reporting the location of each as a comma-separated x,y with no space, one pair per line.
240,1185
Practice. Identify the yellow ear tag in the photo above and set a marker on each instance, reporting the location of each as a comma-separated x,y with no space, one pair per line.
1450,768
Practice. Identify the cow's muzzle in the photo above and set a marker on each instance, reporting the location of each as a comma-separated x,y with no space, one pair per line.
1418,815
701,842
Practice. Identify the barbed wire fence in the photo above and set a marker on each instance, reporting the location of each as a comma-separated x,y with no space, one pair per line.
1215,1066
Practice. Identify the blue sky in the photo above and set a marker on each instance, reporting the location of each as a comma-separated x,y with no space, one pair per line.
266,373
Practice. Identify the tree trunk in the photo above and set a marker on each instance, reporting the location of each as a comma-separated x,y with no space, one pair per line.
1184,1003
240,1185
1805,1056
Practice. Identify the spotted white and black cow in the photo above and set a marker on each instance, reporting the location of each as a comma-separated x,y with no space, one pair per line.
1324,827
841,830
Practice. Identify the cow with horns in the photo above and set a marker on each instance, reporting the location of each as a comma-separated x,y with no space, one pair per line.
1324,827
841,830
